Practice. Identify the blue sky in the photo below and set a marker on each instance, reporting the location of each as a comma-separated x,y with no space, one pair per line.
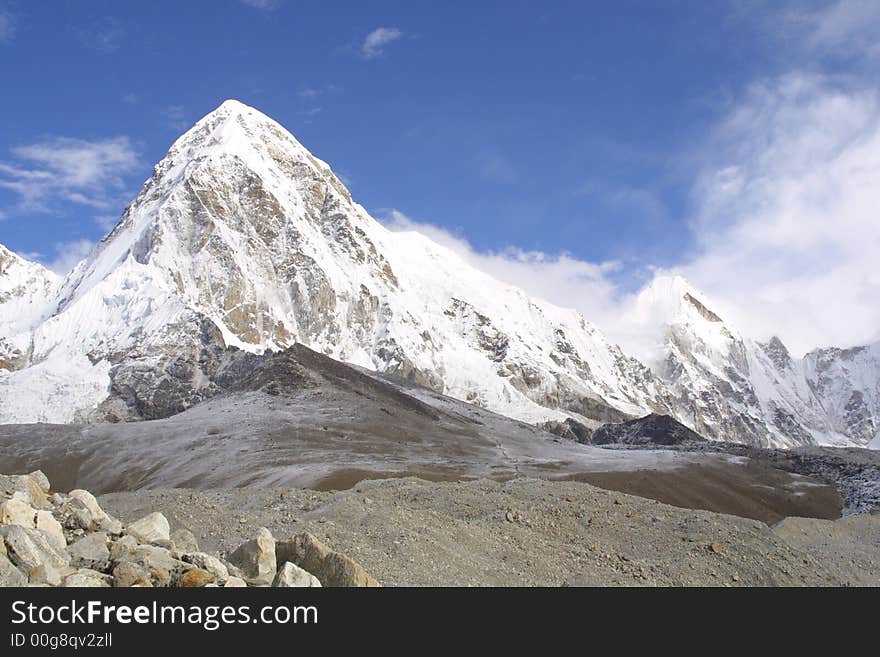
568,134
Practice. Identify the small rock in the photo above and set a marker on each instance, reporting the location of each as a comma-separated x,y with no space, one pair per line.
90,552
195,578
206,562
86,578
235,583
290,575
716,548
151,528
256,559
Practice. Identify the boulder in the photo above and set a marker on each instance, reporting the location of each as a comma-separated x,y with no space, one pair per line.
290,575
195,578
90,552
184,541
46,522
9,574
27,488
28,548
330,567
164,569
15,511
41,480
235,583
150,529
48,575
90,503
75,514
206,562
129,573
123,547
256,559
86,578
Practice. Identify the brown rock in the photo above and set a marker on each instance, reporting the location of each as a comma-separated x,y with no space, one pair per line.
330,567
195,578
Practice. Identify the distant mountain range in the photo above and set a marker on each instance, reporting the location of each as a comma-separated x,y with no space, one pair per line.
242,238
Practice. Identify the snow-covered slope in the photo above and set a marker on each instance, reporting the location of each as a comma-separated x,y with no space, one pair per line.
729,387
27,290
241,229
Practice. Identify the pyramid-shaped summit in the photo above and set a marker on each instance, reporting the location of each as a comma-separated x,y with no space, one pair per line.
242,238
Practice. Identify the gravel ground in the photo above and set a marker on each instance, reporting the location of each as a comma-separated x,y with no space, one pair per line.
526,532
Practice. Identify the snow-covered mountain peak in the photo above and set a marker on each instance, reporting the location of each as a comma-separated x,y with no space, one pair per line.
672,299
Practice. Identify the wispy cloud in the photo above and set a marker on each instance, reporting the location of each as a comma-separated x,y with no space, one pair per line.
176,117
105,35
7,27
130,99
375,42
838,27
267,5
107,222
65,169
68,254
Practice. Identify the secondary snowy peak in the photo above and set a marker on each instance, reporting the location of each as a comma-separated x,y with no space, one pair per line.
729,387
27,290
241,237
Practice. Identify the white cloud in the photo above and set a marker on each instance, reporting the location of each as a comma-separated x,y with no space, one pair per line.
839,27
375,42
559,278
176,117
788,213
76,170
68,254
7,27
107,222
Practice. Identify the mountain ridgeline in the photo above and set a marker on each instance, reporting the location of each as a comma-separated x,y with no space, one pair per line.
242,238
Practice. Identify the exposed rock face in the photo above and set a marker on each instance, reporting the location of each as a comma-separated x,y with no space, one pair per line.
653,429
